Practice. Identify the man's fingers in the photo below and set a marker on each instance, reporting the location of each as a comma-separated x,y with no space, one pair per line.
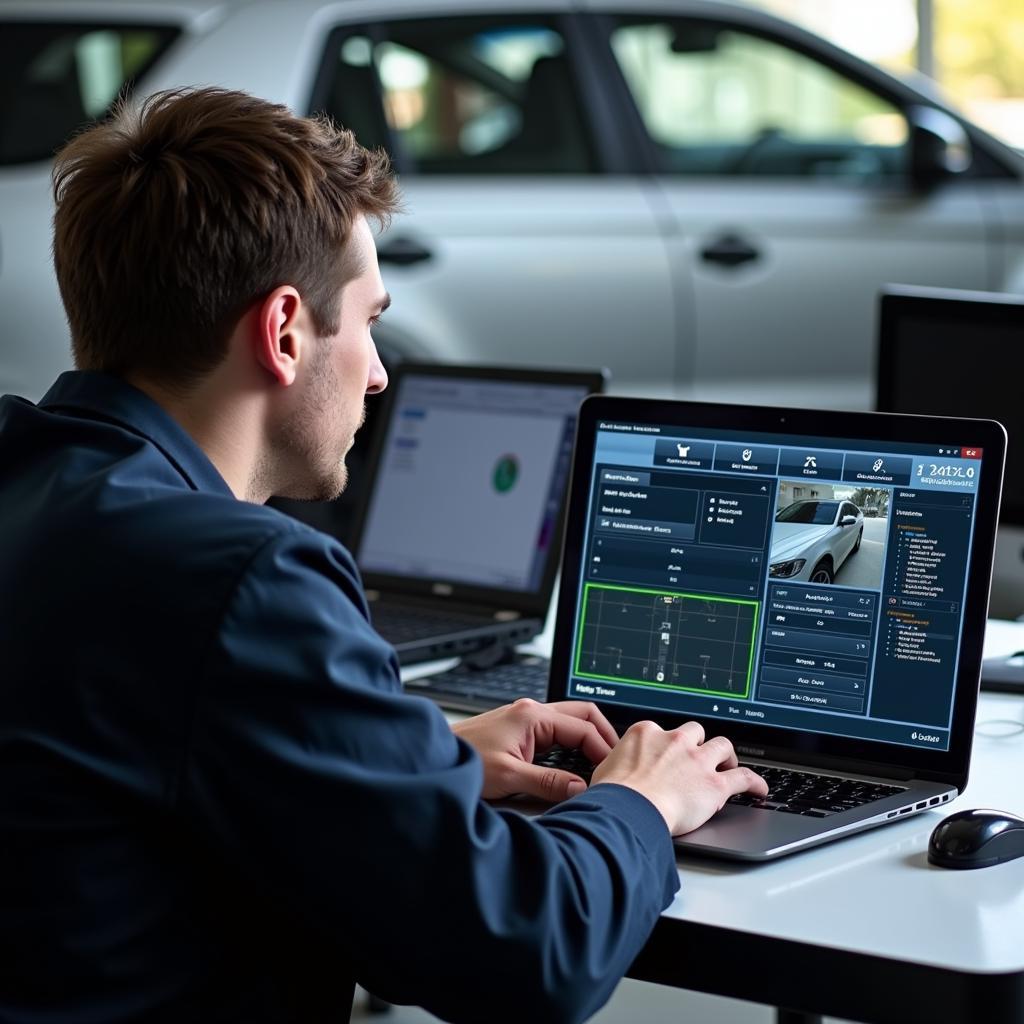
550,784
569,727
694,731
569,731
721,751
743,780
592,713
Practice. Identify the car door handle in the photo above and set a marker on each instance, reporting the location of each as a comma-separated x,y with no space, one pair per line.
730,251
403,251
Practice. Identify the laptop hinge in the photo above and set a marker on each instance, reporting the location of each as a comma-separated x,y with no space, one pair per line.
494,653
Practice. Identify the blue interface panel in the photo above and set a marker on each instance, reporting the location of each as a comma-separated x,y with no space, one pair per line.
817,588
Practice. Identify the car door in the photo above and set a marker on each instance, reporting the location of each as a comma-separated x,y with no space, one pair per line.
789,183
849,533
523,241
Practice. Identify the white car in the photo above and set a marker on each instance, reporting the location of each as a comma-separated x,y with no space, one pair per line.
812,538
693,194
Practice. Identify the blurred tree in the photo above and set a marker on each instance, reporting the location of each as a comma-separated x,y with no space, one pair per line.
979,48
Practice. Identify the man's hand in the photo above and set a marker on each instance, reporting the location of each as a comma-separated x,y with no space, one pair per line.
508,738
687,779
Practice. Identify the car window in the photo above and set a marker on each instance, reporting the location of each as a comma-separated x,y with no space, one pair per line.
817,512
55,77
719,101
462,96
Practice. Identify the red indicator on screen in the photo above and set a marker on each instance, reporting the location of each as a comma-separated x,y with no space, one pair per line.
970,453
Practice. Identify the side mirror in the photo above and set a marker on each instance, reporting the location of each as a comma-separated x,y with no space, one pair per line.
939,146
848,521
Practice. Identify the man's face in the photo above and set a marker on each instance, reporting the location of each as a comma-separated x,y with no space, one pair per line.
340,369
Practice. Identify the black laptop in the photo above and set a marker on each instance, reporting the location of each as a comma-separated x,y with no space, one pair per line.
811,584
458,539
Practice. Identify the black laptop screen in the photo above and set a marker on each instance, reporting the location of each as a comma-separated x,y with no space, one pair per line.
471,481
774,580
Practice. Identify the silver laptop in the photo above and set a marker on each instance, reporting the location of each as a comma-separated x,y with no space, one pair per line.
811,584
458,538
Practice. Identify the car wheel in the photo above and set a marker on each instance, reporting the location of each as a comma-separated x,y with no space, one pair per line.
860,537
822,572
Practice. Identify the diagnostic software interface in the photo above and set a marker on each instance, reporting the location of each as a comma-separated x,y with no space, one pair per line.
472,476
765,580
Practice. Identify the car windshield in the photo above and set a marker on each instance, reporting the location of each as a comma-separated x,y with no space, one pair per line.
822,512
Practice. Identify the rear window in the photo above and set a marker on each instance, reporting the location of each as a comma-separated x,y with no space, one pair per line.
55,77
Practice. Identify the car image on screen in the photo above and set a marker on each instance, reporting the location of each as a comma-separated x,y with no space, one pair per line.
813,538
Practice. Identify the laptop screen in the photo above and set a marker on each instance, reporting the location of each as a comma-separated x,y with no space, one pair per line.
771,578
471,479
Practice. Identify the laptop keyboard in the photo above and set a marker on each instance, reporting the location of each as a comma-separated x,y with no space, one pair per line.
476,689
791,791
401,623
569,759
817,796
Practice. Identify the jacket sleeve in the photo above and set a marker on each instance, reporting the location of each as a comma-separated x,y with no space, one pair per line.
356,808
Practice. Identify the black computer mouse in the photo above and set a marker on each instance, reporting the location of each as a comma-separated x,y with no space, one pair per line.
976,839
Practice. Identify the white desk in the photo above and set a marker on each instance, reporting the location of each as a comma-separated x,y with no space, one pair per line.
865,928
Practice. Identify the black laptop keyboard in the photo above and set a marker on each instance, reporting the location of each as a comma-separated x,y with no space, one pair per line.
401,623
569,759
809,793
479,689
791,791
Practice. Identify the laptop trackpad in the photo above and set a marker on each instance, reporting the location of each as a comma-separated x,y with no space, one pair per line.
749,833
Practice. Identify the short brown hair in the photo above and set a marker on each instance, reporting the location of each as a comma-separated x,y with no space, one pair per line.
173,218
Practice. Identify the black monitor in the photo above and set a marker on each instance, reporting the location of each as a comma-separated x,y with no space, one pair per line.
957,353
961,353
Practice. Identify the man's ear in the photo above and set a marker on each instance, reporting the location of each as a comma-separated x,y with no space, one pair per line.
280,334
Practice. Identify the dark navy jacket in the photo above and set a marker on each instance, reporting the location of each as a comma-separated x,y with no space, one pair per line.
215,802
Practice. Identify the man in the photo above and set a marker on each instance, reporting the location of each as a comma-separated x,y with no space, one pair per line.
215,802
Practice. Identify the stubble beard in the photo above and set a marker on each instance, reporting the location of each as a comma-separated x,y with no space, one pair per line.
311,466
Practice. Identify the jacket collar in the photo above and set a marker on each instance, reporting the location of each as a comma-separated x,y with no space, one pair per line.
104,396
